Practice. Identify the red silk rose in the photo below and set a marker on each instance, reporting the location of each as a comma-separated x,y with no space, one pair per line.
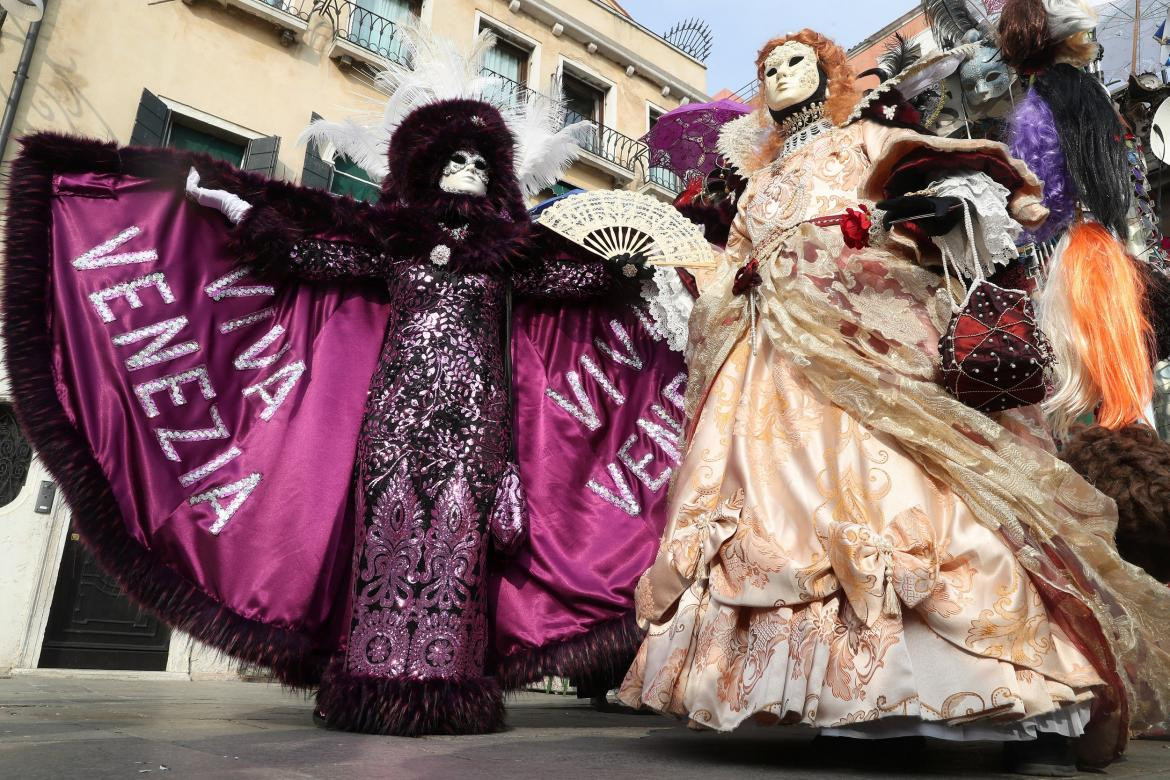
855,227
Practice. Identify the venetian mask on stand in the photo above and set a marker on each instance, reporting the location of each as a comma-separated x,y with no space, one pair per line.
985,77
466,173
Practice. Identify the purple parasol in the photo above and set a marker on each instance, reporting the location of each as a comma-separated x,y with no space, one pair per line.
683,141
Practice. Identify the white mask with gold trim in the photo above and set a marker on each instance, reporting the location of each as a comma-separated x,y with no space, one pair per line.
790,75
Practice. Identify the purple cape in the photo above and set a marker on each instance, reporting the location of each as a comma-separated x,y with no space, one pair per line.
202,422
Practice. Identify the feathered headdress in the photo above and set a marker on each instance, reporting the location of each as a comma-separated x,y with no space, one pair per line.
436,70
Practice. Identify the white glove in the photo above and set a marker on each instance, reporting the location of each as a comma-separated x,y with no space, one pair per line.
232,206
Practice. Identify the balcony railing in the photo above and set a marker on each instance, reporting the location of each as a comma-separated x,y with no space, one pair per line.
363,28
748,91
298,9
607,143
666,179
604,142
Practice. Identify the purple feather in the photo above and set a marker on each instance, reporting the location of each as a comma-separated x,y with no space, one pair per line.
1034,140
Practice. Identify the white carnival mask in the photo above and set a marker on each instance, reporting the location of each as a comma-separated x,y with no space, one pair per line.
790,75
465,174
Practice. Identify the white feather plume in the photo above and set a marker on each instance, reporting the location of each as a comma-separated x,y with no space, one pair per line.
545,147
437,70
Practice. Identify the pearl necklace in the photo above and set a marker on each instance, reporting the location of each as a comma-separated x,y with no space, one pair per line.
802,127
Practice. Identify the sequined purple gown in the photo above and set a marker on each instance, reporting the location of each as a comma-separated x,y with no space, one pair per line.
435,444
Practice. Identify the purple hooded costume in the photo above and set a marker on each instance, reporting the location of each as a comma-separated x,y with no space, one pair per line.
204,418
433,458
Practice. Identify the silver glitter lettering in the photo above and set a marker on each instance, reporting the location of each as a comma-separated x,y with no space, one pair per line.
595,371
663,415
287,376
224,287
653,328
630,357
639,466
662,437
153,354
583,410
250,357
674,392
173,382
129,291
240,489
100,257
627,501
248,319
212,466
167,435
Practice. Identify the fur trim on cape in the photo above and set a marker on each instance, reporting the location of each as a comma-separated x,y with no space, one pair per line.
608,649
296,658
409,707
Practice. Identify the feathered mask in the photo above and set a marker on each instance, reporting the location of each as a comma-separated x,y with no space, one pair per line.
438,70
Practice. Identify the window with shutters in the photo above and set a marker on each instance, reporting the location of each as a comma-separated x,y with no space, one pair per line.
230,150
162,122
510,60
584,102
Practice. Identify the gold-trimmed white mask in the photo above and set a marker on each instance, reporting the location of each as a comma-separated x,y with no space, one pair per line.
790,75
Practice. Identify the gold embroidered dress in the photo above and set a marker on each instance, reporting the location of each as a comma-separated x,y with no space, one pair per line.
847,542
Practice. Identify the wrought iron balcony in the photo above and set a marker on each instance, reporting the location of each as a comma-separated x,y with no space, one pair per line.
362,27
604,142
608,144
298,9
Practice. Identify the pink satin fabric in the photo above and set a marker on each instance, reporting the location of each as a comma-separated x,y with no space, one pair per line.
283,556
585,554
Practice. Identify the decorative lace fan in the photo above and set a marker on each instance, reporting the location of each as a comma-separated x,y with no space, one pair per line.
618,224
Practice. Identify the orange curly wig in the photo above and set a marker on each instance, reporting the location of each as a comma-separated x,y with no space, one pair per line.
842,94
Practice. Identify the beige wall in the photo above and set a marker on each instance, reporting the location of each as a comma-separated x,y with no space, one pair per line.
94,57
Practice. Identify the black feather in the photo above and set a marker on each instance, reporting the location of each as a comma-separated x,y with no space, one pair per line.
949,21
899,55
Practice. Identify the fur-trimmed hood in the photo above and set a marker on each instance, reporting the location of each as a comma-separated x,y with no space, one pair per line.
425,141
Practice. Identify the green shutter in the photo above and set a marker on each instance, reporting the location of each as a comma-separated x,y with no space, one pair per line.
317,173
151,122
261,154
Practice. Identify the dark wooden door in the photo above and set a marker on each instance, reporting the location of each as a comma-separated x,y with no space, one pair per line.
93,625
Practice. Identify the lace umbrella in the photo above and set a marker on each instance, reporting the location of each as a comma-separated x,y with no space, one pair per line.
683,141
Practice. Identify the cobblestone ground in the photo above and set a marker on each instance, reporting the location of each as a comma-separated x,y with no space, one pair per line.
102,728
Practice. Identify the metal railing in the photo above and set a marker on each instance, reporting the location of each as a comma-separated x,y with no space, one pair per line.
298,9
665,178
364,28
598,140
607,143
748,91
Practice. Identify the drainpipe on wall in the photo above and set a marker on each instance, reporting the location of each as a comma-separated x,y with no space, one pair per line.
30,43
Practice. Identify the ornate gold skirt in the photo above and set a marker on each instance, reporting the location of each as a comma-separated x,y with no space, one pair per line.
813,573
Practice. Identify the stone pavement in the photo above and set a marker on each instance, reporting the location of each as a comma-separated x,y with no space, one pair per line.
55,728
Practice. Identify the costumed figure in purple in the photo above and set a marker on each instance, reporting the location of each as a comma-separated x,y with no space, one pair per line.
197,386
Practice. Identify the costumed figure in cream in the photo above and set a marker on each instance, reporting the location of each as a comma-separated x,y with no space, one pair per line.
849,547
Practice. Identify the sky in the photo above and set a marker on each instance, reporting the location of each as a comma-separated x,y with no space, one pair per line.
740,27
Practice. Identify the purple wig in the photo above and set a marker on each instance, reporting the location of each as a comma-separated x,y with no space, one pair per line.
1034,139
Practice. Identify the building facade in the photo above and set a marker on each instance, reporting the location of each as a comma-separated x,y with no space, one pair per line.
240,79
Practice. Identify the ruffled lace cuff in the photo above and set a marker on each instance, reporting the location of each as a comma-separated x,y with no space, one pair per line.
669,303
994,229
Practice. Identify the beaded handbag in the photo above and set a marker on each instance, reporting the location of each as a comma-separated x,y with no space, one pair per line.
994,355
